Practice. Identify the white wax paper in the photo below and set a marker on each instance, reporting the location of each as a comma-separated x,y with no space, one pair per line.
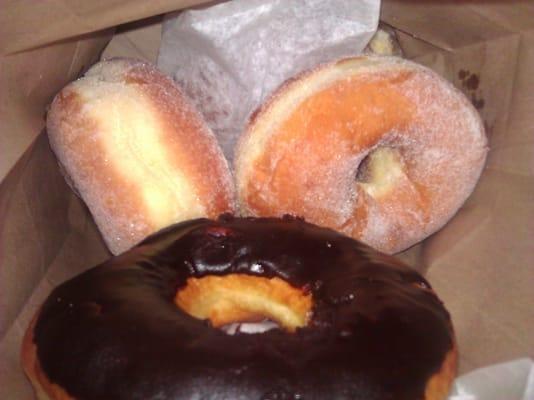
231,56
512,380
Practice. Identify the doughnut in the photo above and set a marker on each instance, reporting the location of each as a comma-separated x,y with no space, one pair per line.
348,322
137,152
379,148
384,42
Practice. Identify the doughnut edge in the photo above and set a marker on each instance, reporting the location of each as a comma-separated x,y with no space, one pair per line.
279,105
213,198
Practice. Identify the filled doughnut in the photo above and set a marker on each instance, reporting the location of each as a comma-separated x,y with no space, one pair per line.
352,323
137,152
379,148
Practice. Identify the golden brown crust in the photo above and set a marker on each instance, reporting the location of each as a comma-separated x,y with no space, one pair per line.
439,385
301,151
44,389
244,298
137,152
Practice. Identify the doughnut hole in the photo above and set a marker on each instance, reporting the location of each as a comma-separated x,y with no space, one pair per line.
380,171
240,298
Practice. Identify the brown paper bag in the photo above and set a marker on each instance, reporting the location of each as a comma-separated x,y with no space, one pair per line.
481,263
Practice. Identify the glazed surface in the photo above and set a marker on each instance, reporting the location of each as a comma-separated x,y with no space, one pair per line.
377,330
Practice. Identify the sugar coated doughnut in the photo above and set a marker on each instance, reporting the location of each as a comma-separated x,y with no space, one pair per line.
351,323
379,148
137,152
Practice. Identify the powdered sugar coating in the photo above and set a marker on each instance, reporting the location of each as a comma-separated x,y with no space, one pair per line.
137,152
302,151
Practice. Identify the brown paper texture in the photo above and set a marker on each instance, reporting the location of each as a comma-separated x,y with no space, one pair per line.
481,263
25,25
33,197
29,80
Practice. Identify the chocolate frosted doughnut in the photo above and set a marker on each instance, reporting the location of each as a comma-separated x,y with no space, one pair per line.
357,324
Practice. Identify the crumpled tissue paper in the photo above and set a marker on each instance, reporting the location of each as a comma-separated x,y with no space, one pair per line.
231,56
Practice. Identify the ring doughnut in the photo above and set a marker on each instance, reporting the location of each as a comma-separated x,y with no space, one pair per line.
352,323
379,148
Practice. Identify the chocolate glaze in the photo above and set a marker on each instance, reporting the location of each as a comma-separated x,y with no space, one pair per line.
377,331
